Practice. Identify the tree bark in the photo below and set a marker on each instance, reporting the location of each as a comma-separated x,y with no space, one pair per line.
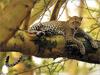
52,47
8,26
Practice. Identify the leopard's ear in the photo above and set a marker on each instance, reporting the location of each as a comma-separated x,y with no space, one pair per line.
69,17
81,18
72,17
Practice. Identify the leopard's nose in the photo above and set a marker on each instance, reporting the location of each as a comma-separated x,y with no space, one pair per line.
76,28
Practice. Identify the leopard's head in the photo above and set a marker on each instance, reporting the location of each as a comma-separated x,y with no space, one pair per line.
75,22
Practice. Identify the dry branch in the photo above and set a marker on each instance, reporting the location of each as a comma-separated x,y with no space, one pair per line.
56,9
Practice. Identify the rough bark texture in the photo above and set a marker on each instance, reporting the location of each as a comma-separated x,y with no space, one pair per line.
52,47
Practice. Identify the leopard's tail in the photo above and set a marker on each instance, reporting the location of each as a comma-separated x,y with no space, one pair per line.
13,64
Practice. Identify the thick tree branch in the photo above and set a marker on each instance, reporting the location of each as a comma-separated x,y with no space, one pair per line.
51,47
25,25
56,9
8,26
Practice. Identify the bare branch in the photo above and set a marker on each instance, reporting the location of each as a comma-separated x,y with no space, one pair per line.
56,9
26,21
44,66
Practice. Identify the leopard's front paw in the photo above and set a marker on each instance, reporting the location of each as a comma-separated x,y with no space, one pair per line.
40,33
69,41
82,50
94,44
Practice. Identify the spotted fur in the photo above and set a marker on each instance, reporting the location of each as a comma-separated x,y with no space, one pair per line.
65,28
51,28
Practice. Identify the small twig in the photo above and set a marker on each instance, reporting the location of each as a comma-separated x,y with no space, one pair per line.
63,9
98,34
53,70
46,7
61,67
94,10
93,29
89,11
26,21
44,66
50,73
91,69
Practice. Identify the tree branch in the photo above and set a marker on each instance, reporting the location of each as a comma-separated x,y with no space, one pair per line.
8,26
50,47
56,9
